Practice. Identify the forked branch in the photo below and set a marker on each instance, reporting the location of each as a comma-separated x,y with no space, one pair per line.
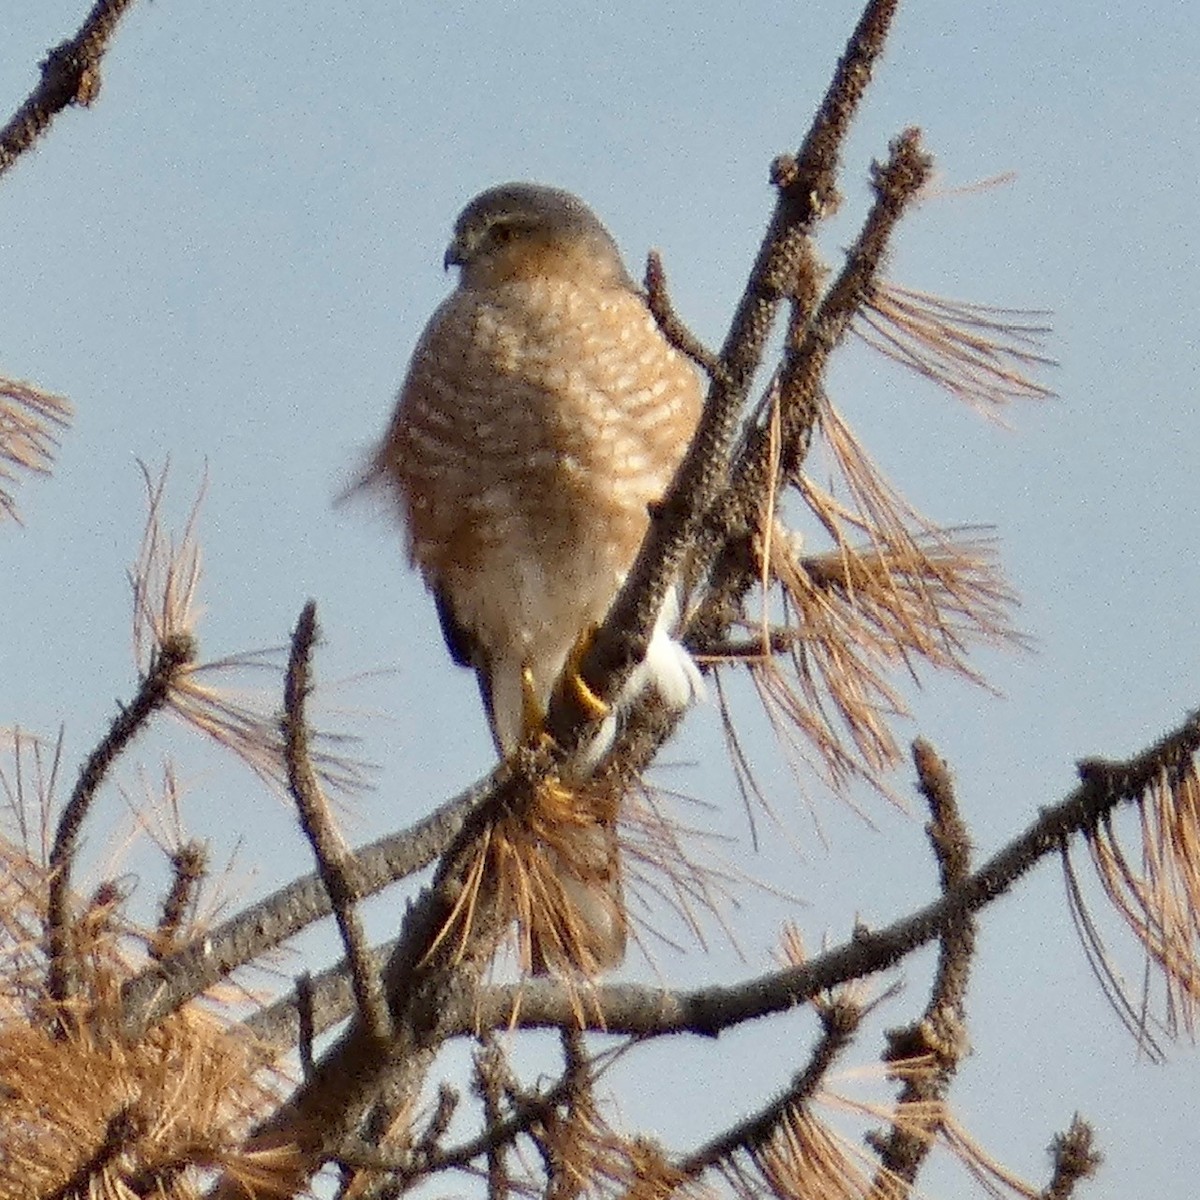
334,862
151,695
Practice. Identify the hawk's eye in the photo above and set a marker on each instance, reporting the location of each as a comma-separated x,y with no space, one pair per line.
503,234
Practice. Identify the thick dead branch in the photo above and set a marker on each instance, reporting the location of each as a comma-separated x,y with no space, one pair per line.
672,539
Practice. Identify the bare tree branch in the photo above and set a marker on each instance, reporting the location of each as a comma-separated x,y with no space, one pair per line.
333,861
840,1019
70,75
151,695
641,1011
673,536
926,1055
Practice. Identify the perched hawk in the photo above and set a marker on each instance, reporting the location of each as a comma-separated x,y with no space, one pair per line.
542,414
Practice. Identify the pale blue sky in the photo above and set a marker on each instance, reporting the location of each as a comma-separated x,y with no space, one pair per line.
227,260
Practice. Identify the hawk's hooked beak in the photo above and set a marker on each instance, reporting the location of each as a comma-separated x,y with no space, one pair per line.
454,256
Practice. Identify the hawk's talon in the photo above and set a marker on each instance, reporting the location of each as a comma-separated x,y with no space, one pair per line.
572,677
533,715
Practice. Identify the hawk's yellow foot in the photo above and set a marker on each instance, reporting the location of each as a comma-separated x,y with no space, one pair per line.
533,715
572,678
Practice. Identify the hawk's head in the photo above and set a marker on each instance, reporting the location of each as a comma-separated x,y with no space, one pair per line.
526,230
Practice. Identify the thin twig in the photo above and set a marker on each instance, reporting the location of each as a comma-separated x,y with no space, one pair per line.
564,1134
151,695
329,999
1075,1158
188,865
306,1031
439,1122
70,75
407,1166
779,639
333,862
840,1020
489,1084
669,322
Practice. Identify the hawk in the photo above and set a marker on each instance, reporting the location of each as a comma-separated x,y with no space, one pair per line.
543,413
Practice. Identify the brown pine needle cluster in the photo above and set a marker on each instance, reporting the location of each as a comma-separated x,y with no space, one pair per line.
550,863
576,1143
165,580
152,1118
563,863
22,910
979,354
638,1169
665,867
30,419
895,590
856,613
28,785
1158,896
803,1159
